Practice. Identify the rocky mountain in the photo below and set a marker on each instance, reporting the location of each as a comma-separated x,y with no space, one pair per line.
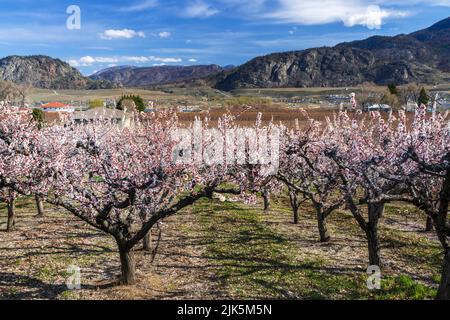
129,76
423,56
45,72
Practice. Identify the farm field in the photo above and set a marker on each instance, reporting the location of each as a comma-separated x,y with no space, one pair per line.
170,92
67,95
221,250
169,96
290,92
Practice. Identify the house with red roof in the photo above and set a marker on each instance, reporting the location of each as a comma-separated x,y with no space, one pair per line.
57,107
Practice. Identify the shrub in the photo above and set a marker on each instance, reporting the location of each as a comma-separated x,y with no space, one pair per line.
96,103
38,116
393,89
424,98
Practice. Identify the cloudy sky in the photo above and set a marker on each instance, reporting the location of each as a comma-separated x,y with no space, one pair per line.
186,32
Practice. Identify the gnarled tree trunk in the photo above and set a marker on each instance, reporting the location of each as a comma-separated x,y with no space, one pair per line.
296,217
39,205
323,230
374,246
441,225
444,287
295,205
430,224
127,264
381,212
11,215
322,221
375,210
266,197
147,242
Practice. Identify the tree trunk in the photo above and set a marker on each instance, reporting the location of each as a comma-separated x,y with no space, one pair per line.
444,287
441,228
147,242
430,224
381,212
294,205
128,266
323,230
39,206
374,246
266,197
373,241
296,217
11,215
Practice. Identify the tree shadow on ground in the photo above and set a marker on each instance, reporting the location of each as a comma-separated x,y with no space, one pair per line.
28,288
24,287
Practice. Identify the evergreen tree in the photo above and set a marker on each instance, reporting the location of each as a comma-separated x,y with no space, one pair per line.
393,89
138,102
424,98
38,116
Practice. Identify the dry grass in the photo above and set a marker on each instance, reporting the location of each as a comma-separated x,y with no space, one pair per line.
219,250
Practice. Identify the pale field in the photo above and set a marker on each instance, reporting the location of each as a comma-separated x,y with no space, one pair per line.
215,103
289,92
68,95
202,96
164,97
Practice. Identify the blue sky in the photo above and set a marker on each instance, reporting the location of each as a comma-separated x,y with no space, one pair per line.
155,32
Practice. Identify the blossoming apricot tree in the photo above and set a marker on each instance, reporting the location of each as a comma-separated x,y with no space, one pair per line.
308,172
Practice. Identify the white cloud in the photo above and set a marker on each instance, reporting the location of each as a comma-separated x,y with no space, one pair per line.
166,60
144,5
121,34
143,59
434,3
192,60
106,60
74,63
136,59
88,61
199,9
164,34
350,12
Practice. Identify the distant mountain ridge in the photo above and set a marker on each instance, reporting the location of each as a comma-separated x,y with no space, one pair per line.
46,72
422,56
131,76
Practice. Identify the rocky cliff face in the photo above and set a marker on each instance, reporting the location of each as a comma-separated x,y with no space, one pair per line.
422,57
45,72
128,76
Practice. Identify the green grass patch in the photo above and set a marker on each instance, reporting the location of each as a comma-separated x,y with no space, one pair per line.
254,261
404,287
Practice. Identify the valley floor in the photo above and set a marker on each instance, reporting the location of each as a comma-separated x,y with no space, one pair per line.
223,250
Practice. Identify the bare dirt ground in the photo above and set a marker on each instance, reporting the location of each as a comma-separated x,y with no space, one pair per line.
218,250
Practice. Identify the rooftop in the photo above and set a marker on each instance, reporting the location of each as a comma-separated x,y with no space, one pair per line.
55,105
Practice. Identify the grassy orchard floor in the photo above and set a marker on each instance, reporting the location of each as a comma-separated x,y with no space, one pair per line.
220,250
